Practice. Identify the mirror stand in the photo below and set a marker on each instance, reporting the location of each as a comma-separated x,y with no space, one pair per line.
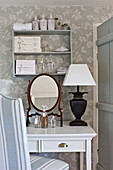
38,110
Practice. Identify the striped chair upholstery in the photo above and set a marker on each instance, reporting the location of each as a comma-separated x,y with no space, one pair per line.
14,153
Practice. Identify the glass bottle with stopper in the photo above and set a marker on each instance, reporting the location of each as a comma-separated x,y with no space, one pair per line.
43,23
37,122
50,66
44,118
35,24
42,66
51,23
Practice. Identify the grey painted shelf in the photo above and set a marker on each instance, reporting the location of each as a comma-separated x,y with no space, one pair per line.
43,32
54,74
42,53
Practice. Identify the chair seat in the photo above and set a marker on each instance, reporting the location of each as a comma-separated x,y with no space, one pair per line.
44,163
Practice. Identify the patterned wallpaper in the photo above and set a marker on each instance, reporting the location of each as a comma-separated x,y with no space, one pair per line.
80,19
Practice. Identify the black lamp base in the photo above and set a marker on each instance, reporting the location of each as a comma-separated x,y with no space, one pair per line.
78,107
78,123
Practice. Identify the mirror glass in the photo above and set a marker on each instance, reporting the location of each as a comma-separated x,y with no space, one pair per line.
44,92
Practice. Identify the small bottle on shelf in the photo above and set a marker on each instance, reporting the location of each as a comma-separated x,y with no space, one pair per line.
43,23
51,23
56,23
35,24
50,66
59,26
42,68
53,122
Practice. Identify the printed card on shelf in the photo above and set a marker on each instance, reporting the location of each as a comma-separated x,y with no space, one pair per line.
27,44
25,67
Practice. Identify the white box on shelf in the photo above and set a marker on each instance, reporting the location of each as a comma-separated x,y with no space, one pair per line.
25,67
21,26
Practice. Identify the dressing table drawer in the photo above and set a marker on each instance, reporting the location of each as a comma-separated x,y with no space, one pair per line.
62,146
33,145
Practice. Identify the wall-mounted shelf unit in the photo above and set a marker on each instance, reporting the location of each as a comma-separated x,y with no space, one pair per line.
54,39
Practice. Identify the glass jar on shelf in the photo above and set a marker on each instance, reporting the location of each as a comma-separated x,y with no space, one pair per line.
37,122
65,27
45,47
53,121
58,26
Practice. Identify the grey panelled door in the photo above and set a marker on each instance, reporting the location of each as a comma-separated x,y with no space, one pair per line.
105,104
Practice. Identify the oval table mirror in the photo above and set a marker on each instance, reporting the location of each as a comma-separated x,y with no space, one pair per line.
44,90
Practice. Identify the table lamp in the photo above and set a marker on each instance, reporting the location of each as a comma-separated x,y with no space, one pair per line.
78,75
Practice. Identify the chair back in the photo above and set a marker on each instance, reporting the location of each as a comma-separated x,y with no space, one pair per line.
14,153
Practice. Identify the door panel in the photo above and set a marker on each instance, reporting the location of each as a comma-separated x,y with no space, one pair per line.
105,104
111,72
111,139
103,65
110,25
103,29
104,139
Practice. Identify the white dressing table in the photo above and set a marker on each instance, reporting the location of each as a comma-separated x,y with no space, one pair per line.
62,139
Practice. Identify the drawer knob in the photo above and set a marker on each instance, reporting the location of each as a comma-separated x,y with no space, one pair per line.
63,145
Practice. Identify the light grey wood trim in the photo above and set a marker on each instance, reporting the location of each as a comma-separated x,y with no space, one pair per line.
99,167
105,39
71,47
13,56
105,107
95,95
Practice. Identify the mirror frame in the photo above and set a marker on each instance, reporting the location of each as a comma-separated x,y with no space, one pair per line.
30,103
44,74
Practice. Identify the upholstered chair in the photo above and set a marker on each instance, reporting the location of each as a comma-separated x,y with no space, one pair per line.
14,153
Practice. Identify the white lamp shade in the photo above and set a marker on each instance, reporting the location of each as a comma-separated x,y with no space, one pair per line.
78,74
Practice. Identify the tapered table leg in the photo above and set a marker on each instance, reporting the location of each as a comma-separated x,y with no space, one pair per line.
88,155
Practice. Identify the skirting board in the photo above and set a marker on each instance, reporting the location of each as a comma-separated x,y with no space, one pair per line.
99,167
